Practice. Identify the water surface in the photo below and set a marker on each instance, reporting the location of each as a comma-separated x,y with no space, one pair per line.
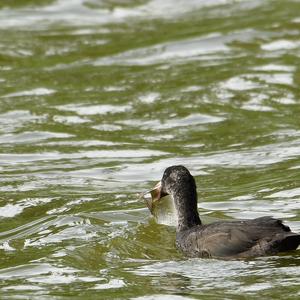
97,98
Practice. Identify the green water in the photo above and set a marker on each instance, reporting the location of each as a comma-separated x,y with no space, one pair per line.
97,98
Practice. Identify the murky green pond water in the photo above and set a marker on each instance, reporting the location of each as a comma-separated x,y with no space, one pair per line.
98,97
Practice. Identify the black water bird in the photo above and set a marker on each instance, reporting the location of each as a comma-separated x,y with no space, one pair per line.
224,239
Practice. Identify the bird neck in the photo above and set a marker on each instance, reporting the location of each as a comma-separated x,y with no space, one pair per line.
186,206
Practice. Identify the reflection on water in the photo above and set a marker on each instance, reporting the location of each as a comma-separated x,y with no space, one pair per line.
97,98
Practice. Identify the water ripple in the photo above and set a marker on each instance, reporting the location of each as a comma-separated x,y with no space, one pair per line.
98,98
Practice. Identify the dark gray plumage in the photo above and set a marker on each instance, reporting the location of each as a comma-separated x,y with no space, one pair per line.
228,239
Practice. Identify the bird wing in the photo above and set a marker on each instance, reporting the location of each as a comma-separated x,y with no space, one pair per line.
231,242
233,238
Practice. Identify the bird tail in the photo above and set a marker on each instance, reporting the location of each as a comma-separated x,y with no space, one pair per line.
287,242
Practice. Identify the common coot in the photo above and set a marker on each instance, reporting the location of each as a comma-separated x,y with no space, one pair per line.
225,239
